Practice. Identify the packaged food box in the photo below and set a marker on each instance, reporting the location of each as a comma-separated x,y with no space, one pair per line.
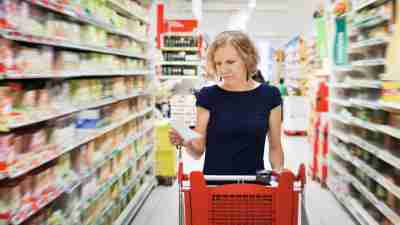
394,119
390,91
89,187
27,59
10,195
88,119
64,130
105,172
7,150
26,188
47,57
6,54
67,61
38,140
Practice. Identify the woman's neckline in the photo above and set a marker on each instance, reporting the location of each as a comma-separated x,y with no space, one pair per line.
244,91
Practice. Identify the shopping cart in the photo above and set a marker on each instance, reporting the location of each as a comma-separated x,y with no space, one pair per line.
264,199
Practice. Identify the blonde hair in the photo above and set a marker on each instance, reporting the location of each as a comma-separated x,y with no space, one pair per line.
243,45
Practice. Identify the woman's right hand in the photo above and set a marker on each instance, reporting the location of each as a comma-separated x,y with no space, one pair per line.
175,138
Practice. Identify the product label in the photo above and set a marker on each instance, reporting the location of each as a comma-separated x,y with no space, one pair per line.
341,42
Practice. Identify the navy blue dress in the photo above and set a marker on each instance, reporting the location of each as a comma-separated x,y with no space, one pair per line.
237,128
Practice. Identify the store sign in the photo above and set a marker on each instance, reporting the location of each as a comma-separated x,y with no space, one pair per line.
180,25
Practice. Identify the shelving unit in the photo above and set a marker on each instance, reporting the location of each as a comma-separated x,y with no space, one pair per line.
363,129
76,113
181,56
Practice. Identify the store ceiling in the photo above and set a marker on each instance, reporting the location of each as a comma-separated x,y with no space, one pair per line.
275,20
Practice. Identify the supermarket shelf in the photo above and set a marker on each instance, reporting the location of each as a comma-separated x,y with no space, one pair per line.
370,21
369,43
369,62
116,151
111,205
103,188
73,74
345,155
339,118
29,38
189,49
14,172
167,77
364,83
341,102
375,175
394,132
352,205
135,204
365,103
389,77
382,207
136,180
125,10
180,63
372,173
81,16
29,210
363,124
342,136
30,121
390,105
367,3
353,84
128,187
340,85
379,152
344,68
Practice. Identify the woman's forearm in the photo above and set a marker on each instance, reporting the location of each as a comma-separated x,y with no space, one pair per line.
195,148
276,158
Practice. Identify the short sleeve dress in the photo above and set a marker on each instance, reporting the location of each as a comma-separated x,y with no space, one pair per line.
237,128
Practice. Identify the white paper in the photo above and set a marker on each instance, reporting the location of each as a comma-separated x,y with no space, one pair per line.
185,132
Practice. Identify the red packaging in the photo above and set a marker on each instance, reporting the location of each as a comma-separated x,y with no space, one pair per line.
38,140
8,14
6,55
7,151
27,189
394,120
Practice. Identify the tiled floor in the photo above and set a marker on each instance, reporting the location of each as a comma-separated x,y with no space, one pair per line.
161,208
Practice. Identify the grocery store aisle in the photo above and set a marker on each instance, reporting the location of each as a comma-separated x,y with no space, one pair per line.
323,209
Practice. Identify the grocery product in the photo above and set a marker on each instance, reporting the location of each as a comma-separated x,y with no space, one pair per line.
55,145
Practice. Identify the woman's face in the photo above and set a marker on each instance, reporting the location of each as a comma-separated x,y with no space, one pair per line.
229,65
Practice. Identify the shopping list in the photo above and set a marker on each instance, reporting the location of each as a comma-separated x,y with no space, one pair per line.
185,132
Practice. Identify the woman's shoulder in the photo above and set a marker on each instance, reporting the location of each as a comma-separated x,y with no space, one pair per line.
209,90
269,90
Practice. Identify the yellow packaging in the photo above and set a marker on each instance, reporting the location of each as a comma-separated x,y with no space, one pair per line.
391,91
165,163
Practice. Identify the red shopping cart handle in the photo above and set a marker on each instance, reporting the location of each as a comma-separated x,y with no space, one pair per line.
264,178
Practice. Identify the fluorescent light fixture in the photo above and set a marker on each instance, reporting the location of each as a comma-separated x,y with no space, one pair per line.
252,4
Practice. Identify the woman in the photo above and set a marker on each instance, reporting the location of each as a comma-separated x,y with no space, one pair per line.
235,116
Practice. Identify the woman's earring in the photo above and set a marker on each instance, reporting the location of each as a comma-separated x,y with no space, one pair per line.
247,77
220,78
